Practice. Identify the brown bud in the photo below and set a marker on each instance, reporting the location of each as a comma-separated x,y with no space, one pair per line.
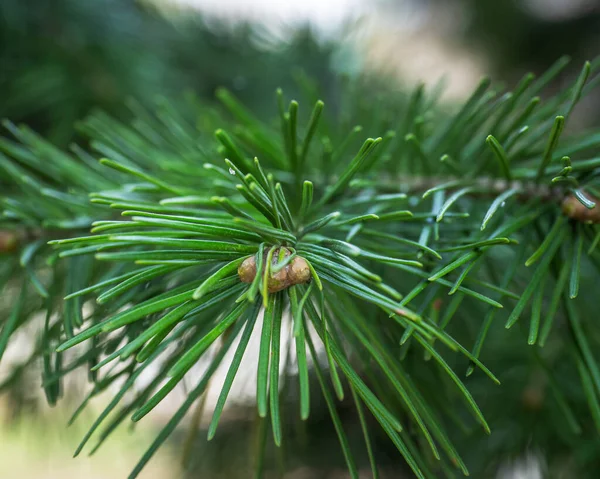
298,271
9,241
573,208
247,270
533,398
278,281
295,272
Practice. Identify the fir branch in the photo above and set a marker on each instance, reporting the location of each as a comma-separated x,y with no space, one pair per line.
168,266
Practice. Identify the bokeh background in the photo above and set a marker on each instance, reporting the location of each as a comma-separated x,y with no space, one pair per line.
62,59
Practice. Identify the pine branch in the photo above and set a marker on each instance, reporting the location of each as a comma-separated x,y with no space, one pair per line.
184,250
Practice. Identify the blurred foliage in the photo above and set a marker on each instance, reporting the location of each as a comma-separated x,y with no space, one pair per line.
515,37
60,58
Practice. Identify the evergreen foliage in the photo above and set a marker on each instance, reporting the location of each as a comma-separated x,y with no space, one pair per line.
422,241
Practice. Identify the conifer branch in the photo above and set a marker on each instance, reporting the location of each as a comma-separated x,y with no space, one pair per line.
192,236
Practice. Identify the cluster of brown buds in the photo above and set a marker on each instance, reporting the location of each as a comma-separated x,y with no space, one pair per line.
296,271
